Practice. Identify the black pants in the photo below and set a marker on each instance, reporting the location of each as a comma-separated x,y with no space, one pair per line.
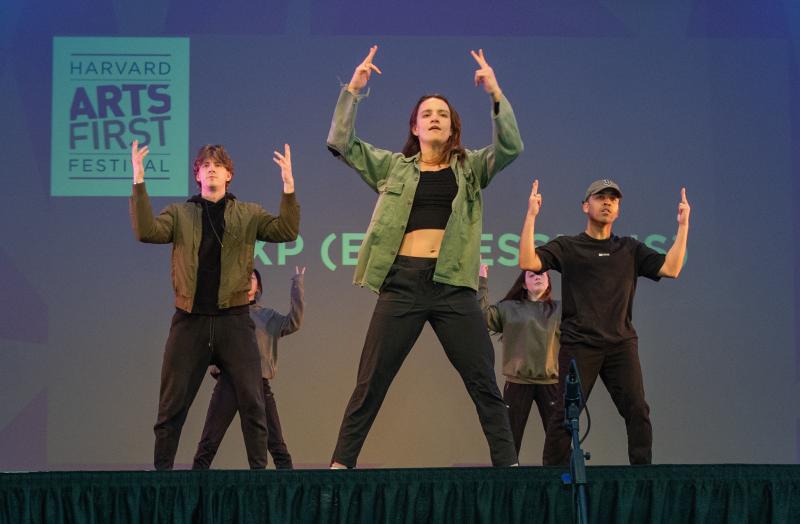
221,410
194,340
520,398
621,372
408,299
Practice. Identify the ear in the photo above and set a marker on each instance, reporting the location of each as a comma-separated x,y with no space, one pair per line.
414,130
585,207
229,177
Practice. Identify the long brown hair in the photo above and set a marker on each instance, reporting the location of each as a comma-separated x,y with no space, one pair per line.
519,293
453,145
259,287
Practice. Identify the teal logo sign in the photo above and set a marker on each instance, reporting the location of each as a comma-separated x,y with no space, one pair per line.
108,92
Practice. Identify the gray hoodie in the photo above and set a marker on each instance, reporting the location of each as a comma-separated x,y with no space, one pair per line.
271,325
530,336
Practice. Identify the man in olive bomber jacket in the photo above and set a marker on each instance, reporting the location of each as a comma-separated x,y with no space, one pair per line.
213,236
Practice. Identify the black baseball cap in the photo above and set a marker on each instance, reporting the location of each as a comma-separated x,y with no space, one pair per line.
598,186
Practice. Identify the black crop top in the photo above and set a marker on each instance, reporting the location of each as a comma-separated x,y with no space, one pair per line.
433,201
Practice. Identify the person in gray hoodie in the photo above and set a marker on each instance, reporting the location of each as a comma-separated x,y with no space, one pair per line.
529,320
269,327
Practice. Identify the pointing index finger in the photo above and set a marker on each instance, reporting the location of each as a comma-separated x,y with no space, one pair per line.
683,196
535,188
371,54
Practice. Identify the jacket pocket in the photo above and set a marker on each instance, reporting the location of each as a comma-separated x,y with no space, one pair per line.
246,254
470,207
473,209
389,194
390,186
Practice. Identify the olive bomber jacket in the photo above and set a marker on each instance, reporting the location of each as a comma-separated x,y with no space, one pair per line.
181,224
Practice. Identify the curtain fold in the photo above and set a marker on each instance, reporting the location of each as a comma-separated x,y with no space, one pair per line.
617,494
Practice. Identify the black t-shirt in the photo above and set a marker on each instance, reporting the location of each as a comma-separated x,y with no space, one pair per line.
208,255
598,284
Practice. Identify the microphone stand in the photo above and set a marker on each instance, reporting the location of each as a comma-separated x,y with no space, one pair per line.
577,464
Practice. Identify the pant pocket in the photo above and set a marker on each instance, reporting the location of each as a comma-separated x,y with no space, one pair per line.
462,300
399,291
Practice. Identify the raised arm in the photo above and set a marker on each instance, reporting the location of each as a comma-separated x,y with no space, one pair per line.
490,312
506,141
146,227
291,322
285,226
673,263
278,325
363,72
137,161
371,163
485,77
284,161
528,259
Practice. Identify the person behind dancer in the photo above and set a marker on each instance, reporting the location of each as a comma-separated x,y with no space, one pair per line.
213,235
599,272
270,326
421,252
528,319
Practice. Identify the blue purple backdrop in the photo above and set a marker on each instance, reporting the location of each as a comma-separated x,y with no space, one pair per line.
656,95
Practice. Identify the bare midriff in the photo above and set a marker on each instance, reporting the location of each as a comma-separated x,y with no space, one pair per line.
422,243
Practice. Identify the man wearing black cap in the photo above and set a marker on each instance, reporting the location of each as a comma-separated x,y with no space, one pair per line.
599,272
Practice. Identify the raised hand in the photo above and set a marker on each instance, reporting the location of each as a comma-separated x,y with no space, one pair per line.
363,72
673,262
485,76
285,161
535,200
683,209
299,270
137,161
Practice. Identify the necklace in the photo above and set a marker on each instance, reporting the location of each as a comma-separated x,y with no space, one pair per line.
211,223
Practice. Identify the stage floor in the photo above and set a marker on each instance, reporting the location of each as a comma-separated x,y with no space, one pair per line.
729,493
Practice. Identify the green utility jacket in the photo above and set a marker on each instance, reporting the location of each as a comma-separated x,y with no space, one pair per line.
182,225
395,177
